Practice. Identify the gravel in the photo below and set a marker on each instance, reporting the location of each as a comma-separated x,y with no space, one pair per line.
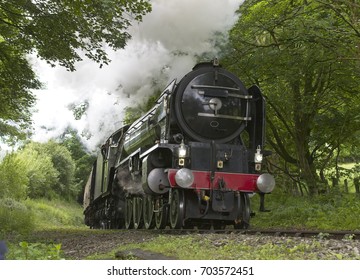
83,243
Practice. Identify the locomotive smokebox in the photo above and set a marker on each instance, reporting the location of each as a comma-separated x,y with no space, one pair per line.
211,104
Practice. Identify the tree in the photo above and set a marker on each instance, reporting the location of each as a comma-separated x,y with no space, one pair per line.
64,165
82,158
134,112
13,179
305,57
57,31
39,169
49,168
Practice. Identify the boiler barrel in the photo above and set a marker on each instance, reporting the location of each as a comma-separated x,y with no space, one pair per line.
141,135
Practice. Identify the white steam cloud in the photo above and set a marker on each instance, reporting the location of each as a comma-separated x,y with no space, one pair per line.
164,46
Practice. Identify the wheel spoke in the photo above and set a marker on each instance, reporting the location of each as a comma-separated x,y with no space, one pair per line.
137,212
177,209
161,214
148,212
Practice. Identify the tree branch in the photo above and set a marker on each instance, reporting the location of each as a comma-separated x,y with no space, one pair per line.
279,147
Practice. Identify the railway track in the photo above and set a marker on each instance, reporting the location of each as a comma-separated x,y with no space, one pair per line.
303,244
321,234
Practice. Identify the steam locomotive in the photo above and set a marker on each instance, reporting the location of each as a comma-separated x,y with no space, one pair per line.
193,160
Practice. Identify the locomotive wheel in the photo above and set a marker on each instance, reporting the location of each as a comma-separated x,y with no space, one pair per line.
177,209
128,213
148,212
138,212
161,214
243,221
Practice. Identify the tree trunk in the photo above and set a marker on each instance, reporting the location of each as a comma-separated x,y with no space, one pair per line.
303,117
346,186
306,165
308,171
357,185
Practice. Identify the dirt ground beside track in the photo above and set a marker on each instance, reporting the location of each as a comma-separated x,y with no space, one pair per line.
80,244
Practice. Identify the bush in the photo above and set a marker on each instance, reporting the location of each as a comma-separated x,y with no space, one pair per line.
40,172
13,179
49,169
15,217
55,213
323,212
34,251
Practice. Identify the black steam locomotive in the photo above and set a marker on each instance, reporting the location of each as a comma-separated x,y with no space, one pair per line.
193,160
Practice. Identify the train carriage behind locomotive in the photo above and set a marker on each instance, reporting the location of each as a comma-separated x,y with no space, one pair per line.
193,159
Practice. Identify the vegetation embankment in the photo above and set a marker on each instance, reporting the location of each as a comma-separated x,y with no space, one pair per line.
22,223
337,211
41,185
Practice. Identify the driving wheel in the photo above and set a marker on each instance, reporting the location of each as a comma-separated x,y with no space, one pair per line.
138,212
243,220
161,213
177,209
148,212
128,213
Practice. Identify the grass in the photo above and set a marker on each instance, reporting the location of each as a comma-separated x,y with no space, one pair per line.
324,212
15,217
212,247
55,213
23,218
34,251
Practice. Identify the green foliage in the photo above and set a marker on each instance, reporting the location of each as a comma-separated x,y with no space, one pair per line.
15,217
132,114
16,82
13,180
49,168
64,164
34,251
55,213
324,212
83,160
135,112
46,170
74,27
40,172
79,109
198,247
70,26
40,214
304,56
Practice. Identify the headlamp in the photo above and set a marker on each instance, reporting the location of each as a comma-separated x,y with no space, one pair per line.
258,155
184,178
265,183
182,150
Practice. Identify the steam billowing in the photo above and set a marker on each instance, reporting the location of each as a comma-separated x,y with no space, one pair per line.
164,46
